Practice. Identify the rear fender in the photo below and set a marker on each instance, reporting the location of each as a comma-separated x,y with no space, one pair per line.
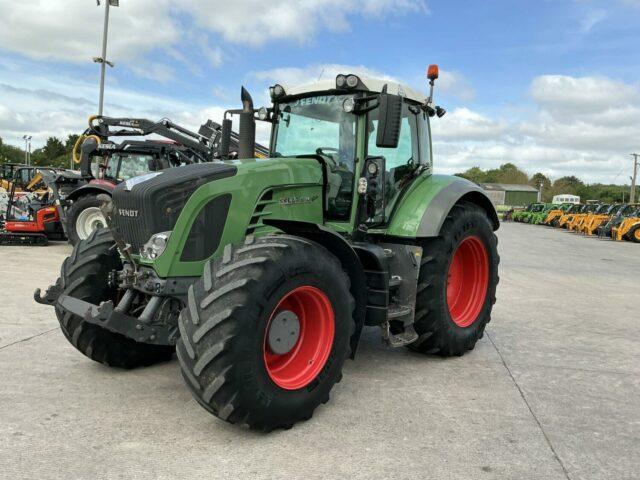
92,189
424,207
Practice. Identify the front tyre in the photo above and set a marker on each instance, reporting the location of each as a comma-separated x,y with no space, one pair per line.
457,283
85,275
84,216
266,332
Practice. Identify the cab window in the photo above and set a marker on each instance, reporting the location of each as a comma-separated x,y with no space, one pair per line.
132,165
400,162
319,126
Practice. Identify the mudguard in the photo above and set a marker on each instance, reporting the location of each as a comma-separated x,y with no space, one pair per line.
95,187
422,210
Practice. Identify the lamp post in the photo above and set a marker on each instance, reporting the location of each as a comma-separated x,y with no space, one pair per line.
103,59
632,198
27,148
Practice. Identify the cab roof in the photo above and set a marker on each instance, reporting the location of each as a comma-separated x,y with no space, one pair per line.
368,84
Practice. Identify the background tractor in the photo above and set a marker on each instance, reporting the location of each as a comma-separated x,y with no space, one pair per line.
629,228
523,215
593,221
262,273
536,218
575,224
625,211
104,163
568,217
554,214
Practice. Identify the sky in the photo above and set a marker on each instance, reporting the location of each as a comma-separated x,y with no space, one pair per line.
550,85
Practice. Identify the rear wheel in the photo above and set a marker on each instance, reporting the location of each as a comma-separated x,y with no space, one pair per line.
634,234
85,275
85,216
266,332
457,283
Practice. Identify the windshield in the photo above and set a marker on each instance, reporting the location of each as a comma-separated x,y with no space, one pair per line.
319,126
131,165
307,125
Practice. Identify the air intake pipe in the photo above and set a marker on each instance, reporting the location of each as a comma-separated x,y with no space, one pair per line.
247,135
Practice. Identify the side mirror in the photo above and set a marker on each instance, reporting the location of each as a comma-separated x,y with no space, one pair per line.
389,120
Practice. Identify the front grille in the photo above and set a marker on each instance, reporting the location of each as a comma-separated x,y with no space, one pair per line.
154,205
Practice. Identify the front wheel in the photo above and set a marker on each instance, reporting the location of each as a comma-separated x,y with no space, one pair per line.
457,283
266,332
634,234
85,216
85,276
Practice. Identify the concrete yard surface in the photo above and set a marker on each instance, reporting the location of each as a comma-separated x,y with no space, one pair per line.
552,391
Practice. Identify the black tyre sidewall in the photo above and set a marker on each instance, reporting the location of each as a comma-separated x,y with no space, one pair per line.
84,275
278,402
247,393
438,333
472,224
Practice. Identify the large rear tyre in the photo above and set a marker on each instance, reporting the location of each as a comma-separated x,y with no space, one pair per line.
85,275
84,216
634,234
457,283
266,332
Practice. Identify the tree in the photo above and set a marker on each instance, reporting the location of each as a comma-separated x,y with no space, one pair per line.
540,179
475,174
70,142
53,148
509,173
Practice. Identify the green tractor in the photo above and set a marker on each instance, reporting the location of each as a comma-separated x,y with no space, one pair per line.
538,217
261,273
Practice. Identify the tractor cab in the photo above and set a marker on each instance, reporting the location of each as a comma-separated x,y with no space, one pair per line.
360,128
371,138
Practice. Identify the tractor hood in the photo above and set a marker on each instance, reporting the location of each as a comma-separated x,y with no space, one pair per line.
200,204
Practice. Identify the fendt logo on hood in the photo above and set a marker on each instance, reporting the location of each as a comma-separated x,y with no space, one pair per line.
123,212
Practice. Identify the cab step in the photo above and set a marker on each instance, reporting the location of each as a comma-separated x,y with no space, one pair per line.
400,339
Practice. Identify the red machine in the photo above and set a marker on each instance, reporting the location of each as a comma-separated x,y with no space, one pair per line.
30,219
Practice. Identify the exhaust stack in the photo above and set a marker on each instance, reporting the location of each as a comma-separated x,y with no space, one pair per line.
225,138
247,135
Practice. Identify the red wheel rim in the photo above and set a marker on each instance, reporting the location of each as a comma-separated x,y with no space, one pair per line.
302,364
468,281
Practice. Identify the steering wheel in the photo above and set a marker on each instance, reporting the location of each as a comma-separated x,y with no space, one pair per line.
322,151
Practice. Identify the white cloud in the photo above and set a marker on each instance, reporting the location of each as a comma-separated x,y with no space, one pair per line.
456,85
313,73
573,96
71,30
464,125
591,19
254,22
583,126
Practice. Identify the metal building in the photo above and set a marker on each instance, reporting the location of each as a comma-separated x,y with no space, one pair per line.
512,195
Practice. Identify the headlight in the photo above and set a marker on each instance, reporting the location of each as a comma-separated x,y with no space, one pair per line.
263,113
155,246
276,91
352,81
349,105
